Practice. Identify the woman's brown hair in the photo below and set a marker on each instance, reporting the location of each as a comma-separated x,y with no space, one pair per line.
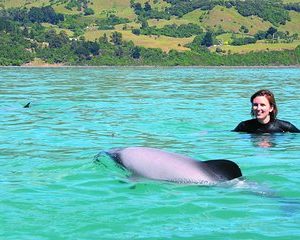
270,96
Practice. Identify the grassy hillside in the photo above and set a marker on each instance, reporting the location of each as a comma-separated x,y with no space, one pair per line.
228,20
163,42
292,26
159,23
22,3
231,20
291,1
259,46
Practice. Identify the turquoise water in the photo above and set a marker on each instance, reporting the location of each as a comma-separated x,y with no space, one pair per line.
51,188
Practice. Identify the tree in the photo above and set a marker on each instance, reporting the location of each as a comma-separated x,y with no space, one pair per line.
119,51
44,14
116,38
52,39
56,40
208,39
93,47
137,8
35,14
103,39
270,32
244,29
136,31
88,11
136,53
144,23
260,35
147,7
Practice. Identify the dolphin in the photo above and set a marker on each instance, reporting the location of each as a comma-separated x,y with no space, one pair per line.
157,164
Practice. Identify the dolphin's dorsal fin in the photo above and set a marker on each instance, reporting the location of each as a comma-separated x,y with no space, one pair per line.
224,169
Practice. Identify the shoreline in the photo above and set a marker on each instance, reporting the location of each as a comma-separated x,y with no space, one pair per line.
146,66
38,63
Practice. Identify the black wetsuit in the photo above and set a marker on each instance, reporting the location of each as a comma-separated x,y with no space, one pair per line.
275,126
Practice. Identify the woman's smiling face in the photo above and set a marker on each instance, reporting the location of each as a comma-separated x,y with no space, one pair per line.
261,109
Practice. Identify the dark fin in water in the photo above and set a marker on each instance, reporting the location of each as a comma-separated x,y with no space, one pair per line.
27,105
224,169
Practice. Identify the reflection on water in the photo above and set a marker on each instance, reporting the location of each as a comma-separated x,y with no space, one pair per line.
263,140
267,140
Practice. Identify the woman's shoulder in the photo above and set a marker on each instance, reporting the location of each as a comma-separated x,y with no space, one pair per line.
282,122
286,126
245,126
248,122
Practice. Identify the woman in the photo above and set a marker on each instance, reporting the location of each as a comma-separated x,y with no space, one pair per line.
264,111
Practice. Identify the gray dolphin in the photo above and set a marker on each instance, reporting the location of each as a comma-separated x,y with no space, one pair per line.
157,164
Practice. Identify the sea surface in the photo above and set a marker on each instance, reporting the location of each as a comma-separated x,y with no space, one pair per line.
51,186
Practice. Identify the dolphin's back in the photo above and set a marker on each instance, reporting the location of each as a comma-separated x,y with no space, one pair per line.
161,165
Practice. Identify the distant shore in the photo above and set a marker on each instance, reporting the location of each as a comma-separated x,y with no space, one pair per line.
147,66
38,64
143,66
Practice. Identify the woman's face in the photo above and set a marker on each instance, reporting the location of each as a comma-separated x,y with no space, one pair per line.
261,109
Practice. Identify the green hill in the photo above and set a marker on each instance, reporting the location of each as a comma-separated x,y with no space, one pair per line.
222,26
